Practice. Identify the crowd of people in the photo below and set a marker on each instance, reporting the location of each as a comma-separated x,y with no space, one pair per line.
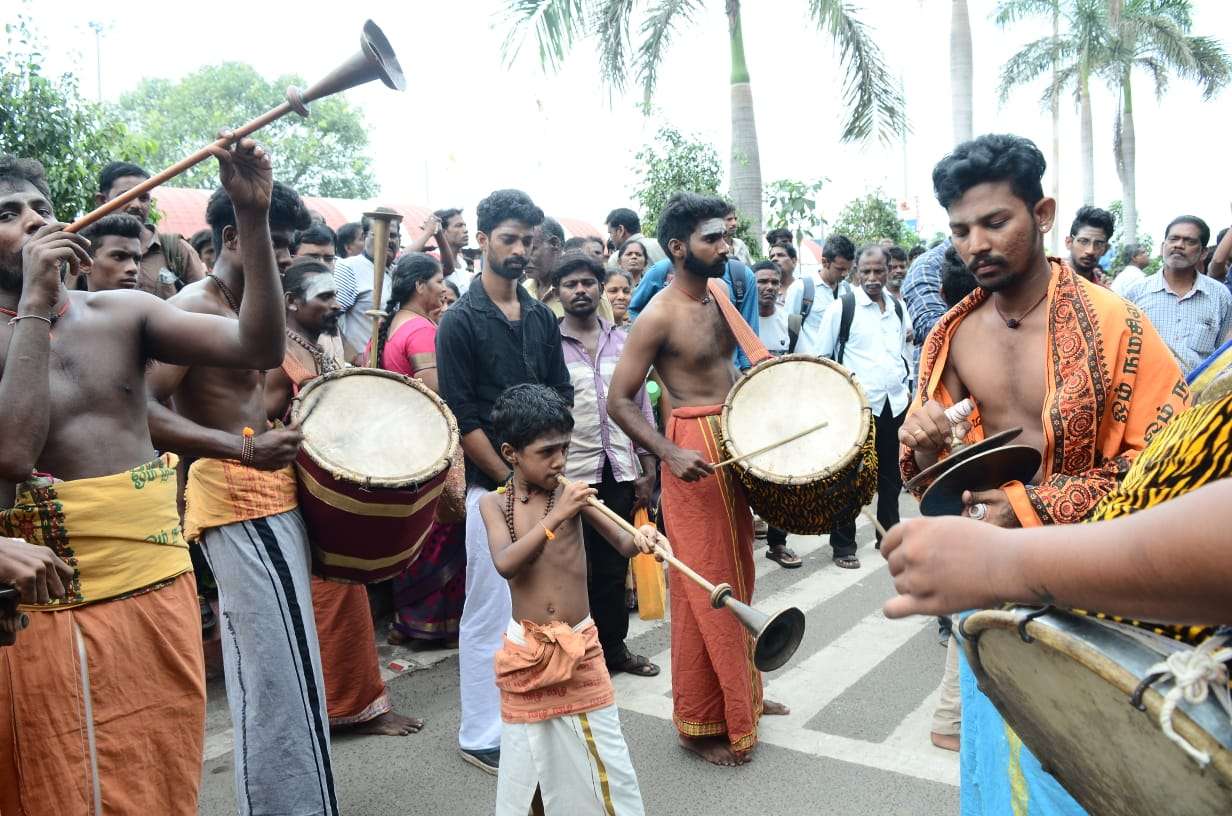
150,495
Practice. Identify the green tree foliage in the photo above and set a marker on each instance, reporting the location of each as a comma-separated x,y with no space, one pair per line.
46,118
869,218
321,155
673,162
792,205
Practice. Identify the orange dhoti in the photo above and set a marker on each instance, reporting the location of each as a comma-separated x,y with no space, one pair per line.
354,690
716,689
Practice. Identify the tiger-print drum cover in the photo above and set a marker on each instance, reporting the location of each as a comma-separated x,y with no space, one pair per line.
815,483
377,448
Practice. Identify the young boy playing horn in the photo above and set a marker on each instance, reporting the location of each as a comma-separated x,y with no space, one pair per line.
561,731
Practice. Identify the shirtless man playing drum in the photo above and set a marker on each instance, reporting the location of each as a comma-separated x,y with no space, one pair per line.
717,700
241,504
127,629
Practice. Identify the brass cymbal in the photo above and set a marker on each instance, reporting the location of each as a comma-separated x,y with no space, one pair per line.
984,471
974,449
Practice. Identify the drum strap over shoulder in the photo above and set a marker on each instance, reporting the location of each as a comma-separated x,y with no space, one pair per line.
746,338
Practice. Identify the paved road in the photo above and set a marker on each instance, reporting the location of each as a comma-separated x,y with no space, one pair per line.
861,689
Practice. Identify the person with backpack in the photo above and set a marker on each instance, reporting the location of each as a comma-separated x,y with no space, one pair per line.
866,331
810,294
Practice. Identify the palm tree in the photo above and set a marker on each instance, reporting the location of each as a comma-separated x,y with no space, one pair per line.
1071,57
961,78
1153,35
874,103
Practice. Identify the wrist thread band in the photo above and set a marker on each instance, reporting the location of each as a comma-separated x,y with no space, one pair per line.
248,449
551,535
46,320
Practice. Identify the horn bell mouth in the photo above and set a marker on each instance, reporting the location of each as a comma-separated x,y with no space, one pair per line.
376,45
779,639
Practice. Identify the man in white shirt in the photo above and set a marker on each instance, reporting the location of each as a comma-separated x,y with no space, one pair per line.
874,347
772,328
1132,274
740,250
353,280
809,296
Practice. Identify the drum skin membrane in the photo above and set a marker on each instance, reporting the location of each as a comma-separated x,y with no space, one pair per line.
1067,695
378,427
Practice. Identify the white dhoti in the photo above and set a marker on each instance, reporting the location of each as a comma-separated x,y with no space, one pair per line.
579,762
484,614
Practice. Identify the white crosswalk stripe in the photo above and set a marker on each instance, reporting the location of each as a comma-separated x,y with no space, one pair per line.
812,682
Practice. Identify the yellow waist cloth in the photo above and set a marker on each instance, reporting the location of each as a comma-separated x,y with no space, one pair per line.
222,492
120,533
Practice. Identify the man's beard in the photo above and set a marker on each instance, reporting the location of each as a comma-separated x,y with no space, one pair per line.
510,269
702,270
11,278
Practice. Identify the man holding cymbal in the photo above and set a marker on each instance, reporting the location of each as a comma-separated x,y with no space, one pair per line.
1078,369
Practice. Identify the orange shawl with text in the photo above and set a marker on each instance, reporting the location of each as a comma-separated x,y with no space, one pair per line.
1112,385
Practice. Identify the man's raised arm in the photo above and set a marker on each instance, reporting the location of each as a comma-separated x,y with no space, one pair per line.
258,339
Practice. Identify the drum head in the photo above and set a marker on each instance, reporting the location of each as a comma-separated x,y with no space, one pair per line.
1066,694
784,396
375,428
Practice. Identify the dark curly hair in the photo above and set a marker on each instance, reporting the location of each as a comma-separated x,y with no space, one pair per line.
507,205
286,212
25,171
1093,217
992,157
412,270
121,224
528,411
575,260
683,212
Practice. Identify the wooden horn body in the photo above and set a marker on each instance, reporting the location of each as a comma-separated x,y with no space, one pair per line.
374,60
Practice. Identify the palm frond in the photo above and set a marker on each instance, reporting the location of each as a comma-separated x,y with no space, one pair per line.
1067,76
657,32
1158,72
555,24
1212,67
1029,64
611,25
1011,11
872,98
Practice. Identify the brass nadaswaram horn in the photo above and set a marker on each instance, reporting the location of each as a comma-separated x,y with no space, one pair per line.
776,636
375,60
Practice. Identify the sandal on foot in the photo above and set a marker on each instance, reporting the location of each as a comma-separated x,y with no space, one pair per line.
783,556
847,561
634,664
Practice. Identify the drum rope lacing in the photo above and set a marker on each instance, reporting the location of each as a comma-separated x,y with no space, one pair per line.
1195,673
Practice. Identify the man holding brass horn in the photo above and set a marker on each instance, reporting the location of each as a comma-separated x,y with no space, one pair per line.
241,504
108,682
716,690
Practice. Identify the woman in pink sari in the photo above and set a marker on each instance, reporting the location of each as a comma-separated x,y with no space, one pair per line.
428,594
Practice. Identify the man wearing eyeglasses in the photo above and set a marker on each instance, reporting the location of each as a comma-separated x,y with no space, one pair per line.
1192,312
1088,241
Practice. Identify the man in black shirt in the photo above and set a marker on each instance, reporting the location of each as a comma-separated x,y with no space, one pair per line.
495,336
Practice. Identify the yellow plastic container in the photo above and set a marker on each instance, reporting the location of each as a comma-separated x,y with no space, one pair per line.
648,577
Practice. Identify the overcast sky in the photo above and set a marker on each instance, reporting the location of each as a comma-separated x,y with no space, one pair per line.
568,143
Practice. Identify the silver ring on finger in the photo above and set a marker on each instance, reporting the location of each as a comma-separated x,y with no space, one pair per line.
978,511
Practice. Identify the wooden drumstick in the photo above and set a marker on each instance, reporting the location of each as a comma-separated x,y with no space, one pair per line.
771,446
868,514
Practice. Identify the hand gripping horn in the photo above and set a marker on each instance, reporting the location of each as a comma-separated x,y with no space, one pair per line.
375,60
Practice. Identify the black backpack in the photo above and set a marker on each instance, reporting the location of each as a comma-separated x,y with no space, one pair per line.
795,321
844,325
